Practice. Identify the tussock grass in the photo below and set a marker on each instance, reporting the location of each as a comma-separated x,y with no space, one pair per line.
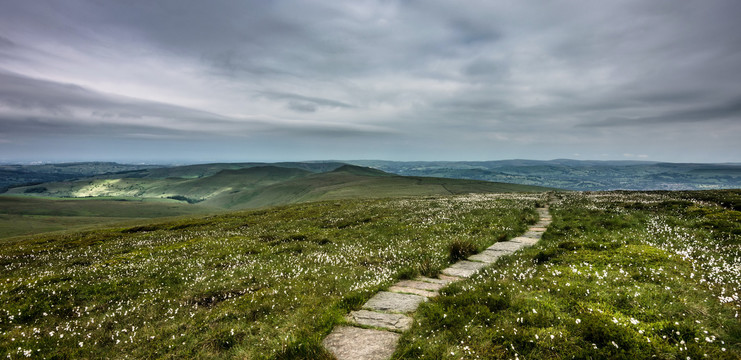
617,275
268,283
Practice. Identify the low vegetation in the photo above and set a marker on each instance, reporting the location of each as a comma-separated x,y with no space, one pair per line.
259,284
616,276
22,215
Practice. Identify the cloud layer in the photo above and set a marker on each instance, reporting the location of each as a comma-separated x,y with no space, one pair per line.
295,80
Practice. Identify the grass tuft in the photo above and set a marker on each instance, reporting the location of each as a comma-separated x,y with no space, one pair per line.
460,249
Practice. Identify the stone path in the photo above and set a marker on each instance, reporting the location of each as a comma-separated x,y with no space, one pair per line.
377,326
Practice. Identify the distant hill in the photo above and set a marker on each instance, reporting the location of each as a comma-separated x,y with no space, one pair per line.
13,175
205,170
253,185
586,175
589,175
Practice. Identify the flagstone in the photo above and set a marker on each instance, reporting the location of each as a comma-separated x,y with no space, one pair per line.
348,342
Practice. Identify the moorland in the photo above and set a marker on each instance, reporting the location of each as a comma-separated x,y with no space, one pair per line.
616,275
262,261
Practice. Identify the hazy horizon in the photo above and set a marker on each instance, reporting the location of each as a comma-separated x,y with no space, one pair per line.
224,81
187,162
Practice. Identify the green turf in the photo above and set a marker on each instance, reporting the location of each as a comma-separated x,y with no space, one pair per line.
265,283
616,276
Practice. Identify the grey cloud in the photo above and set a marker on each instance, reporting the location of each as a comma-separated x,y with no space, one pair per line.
421,72
728,111
303,103
58,100
46,107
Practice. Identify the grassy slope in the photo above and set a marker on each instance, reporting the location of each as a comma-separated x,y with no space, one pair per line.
26,215
620,276
257,284
260,186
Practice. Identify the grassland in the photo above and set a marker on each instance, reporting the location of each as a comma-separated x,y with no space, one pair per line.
22,215
257,284
616,275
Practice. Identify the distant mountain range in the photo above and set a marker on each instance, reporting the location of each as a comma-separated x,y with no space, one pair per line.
576,174
183,181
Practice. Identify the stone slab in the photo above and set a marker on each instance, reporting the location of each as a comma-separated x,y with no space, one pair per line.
537,228
506,246
464,268
347,342
394,302
397,322
440,281
408,290
524,240
450,278
487,256
422,285
533,234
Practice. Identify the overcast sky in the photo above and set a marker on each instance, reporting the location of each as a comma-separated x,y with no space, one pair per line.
197,81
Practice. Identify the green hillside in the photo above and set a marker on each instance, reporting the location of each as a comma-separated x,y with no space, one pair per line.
206,170
258,186
157,193
23,215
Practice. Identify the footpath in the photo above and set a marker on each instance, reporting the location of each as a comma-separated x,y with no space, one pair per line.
377,327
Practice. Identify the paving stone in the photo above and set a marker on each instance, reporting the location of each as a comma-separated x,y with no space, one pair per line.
536,228
450,278
507,246
533,234
347,342
524,240
396,322
408,290
420,285
394,302
440,281
464,268
487,256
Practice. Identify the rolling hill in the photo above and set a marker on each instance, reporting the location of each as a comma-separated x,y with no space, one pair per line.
210,188
260,185
14,175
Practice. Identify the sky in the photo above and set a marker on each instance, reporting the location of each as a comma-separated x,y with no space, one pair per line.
199,81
